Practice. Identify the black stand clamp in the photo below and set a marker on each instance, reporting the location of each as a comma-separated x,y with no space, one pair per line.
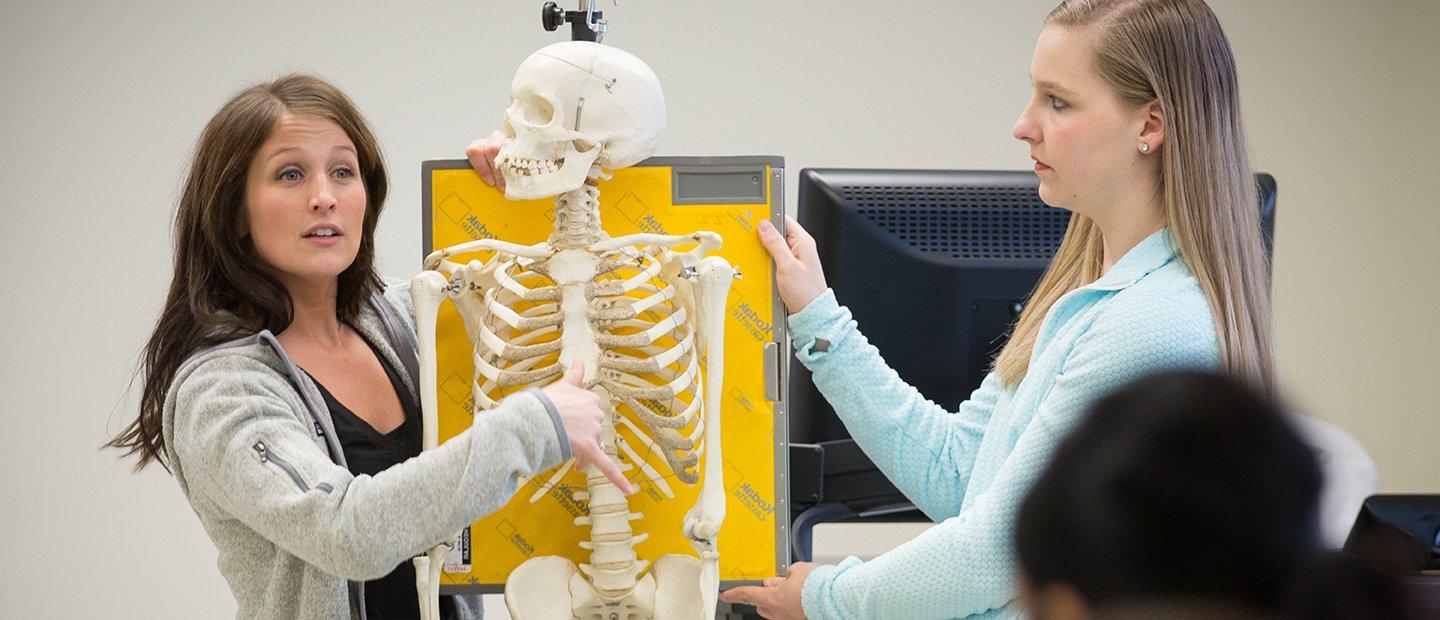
586,24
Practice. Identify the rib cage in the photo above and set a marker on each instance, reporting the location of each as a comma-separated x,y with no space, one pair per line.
641,314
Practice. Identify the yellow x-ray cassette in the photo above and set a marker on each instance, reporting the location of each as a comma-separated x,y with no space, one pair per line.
664,195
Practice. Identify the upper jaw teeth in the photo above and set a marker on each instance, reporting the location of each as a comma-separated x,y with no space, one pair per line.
323,232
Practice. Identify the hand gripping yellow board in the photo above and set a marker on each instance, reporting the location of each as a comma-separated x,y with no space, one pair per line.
666,195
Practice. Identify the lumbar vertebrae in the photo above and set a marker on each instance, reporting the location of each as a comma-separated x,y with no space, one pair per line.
642,311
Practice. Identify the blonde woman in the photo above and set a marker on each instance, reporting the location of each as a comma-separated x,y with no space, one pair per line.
1134,126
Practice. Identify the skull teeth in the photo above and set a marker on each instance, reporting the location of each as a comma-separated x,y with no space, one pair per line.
532,167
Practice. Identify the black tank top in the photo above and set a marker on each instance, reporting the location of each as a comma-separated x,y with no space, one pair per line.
368,451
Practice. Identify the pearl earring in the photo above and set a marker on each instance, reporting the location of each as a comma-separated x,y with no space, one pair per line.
1144,147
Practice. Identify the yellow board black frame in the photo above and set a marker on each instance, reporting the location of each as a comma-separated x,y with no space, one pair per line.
668,195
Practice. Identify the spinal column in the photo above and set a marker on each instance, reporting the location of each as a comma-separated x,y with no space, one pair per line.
613,566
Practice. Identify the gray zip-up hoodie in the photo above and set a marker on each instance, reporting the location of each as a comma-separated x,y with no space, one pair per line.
250,441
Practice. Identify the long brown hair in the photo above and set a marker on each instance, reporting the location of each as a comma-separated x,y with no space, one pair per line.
221,288
1174,52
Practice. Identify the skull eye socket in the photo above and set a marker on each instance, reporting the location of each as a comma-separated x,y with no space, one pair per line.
538,110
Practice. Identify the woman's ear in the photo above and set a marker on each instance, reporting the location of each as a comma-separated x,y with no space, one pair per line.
1152,129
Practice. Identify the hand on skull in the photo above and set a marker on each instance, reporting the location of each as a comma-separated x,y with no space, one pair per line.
481,154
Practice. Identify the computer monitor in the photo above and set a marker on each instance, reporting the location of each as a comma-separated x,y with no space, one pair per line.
1400,533
935,265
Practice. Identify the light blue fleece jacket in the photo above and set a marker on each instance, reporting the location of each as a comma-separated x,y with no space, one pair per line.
969,470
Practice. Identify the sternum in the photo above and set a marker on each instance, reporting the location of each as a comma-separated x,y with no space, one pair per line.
572,271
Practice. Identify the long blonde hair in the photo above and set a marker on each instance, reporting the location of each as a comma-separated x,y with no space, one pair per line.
1174,52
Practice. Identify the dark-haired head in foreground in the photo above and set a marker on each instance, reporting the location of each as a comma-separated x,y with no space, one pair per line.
1184,494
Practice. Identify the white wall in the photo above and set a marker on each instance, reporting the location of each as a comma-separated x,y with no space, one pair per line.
99,106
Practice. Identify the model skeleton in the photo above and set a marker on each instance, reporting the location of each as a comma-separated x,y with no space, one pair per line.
643,312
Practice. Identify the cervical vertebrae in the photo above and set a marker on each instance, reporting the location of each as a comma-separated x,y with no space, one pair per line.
577,217
642,311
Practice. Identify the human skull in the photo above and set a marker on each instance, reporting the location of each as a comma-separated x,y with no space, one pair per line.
613,96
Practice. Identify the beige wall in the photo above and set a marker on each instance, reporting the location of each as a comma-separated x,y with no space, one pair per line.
1337,98
100,104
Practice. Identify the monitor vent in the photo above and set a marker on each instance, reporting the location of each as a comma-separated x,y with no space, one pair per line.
964,222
